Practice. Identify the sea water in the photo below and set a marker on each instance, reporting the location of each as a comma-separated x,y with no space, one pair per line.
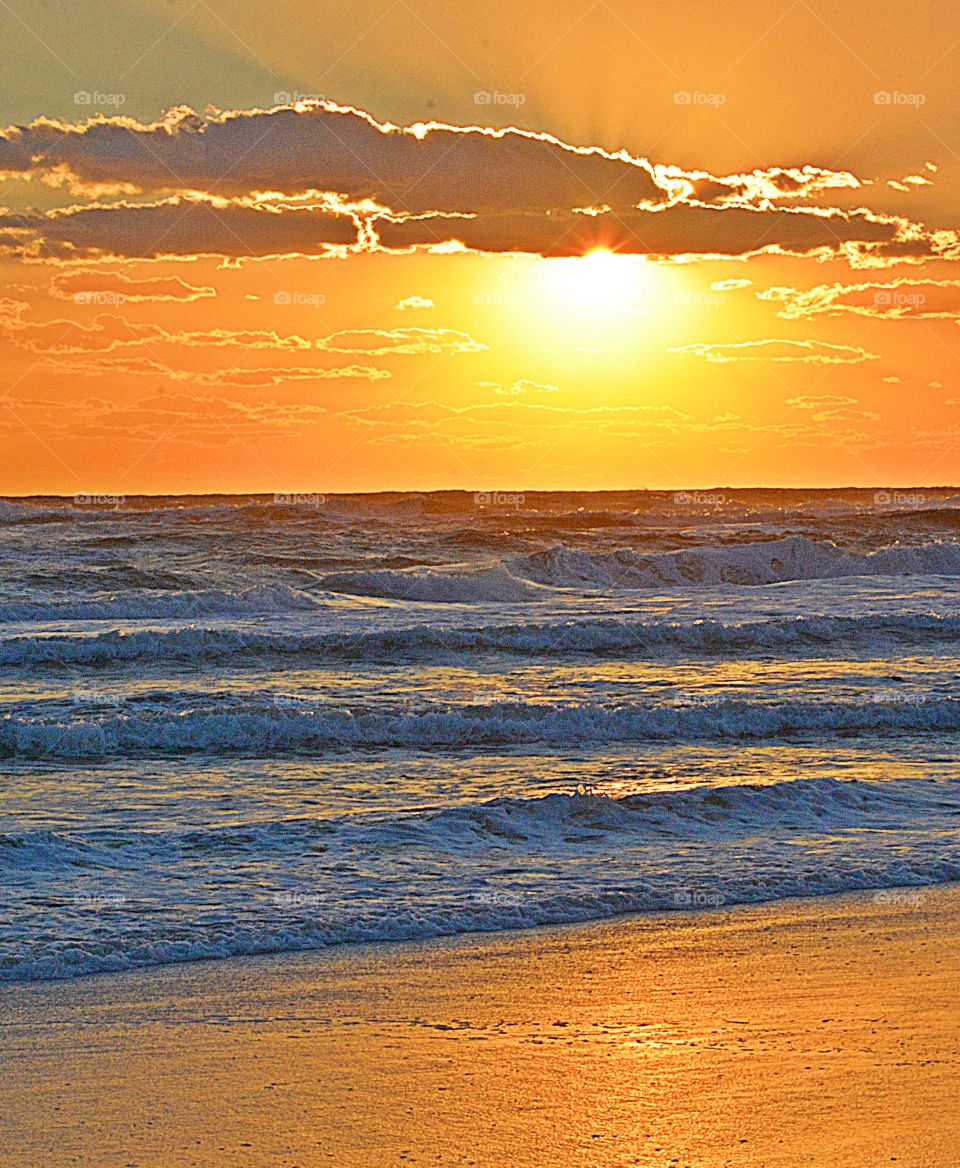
240,725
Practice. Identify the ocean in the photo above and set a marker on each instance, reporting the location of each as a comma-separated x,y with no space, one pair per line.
255,724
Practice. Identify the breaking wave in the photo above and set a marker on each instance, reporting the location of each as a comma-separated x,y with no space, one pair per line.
634,854
598,636
772,561
279,727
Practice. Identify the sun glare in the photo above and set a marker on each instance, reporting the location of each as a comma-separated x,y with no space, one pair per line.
600,282
600,298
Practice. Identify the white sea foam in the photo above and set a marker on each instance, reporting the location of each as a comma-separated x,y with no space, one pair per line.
160,606
707,847
602,636
746,564
220,716
261,728
454,585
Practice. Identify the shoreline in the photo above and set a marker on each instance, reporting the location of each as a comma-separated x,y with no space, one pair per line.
794,1032
700,904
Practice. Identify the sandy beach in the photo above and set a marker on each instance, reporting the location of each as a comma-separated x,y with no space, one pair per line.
480,584
818,1032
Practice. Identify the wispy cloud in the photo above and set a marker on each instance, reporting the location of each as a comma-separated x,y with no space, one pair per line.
412,303
106,287
903,299
814,352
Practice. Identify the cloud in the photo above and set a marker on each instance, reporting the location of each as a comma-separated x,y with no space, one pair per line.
321,146
760,186
818,401
814,352
909,181
104,333
681,229
251,378
11,312
519,388
246,378
176,227
408,341
827,421
317,179
903,299
410,303
108,331
830,407
104,287
196,420
511,412
730,285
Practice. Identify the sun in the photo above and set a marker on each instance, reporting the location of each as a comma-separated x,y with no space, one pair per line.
603,303
599,283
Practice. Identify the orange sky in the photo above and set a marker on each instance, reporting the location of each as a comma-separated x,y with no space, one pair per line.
708,246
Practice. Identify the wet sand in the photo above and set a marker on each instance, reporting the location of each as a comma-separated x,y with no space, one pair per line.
822,1032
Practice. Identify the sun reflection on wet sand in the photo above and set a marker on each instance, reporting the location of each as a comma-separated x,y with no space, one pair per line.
729,1038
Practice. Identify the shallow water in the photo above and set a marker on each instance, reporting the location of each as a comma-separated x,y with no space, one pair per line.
248,725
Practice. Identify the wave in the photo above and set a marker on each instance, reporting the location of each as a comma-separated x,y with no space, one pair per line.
657,852
455,585
287,726
770,561
14,513
597,636
530,577
546,821
162,606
